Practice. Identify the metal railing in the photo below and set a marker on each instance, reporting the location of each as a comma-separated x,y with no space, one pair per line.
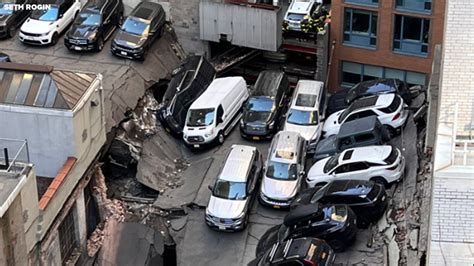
14,155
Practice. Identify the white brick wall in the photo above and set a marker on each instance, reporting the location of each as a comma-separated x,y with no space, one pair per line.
457,85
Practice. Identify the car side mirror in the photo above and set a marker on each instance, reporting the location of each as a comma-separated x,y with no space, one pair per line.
61,15
302,173
211,188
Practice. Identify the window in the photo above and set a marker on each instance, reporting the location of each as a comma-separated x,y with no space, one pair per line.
67,236
360,28
357,167
411,35
353,73
342,169
360,115
363,2
423,6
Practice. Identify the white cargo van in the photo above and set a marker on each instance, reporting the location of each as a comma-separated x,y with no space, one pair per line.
213,115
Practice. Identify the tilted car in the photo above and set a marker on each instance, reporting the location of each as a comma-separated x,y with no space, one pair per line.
142,27
235,189
11,19
361,132
263,113
367,199
336,224
389,109
379,86
304,251
187,83
337,102
284,170
94,25
44,27
297,11
382,164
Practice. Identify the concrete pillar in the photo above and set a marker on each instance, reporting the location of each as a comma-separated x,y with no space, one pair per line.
80,220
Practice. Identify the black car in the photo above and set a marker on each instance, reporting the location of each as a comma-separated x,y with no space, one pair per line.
360,132
367,199
11,20
144,25
337,102
4,58
188,82
305,251
94,25
379,86
263,113
337,224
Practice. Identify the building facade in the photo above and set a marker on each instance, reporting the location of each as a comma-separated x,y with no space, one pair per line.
384,39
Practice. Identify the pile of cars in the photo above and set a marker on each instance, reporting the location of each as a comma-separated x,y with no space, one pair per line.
88,27
351,159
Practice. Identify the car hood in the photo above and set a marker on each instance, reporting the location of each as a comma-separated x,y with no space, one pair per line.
82,32
129,40
37,26
279,189
225,208
307,132
331,125
317,169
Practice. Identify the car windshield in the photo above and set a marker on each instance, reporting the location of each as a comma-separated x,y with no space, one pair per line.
318,194
295,16
50,14
282,171
200,117
230,190
259,109
136,26
88,19
5,9
300,117
331,163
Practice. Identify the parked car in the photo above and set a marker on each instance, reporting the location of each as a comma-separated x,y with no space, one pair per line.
213,115
381,164
94,25
10,19
306,112
361,132
297,11
143,26
44,27
304,251
284,170
4,58
188,82
379,86
337,102
336,224
389,109
367,199
235,189
263,113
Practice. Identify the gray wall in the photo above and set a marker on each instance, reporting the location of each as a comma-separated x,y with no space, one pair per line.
49,134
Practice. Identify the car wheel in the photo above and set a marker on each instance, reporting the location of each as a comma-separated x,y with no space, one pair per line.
54,39
100,44
145,53
337,245
379,180
391,131
11,31
220,138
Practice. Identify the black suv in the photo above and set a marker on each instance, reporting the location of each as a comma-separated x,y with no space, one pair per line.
139,31
11,20
94,25
188,82
336,224
379,86
367,199
263,113
303,251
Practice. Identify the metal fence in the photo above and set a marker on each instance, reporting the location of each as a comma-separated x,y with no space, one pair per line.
14,155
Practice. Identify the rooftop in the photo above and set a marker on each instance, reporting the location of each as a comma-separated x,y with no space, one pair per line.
42,86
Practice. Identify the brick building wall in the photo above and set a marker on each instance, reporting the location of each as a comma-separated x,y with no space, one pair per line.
457,82
382,54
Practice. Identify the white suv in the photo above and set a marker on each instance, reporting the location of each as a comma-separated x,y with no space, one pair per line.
297,11
382,164
389,109
43,27
306,112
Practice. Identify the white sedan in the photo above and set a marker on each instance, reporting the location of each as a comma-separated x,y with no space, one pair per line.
382,164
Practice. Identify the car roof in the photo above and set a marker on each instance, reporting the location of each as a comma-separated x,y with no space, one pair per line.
360,125
218,89
238,163
371,154
376,101
146,10
94,5
300,6
349,187
284,146
307,87
268,83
